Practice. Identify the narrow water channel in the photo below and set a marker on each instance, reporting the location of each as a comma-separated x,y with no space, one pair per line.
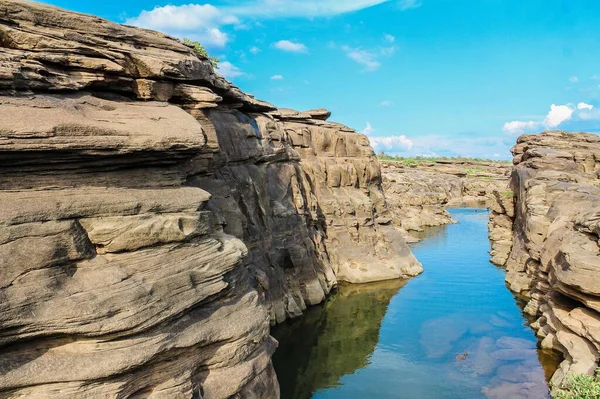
401,339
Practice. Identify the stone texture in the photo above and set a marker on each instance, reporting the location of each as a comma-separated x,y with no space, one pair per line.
419,193
156,220
555,258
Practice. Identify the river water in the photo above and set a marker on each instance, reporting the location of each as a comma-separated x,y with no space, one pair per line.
401,339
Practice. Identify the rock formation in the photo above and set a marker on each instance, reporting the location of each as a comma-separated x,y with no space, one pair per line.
418,193
555,257
155,220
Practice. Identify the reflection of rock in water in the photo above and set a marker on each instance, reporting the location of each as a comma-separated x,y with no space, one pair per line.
331,340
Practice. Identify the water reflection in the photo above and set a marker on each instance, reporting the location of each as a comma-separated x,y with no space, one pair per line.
331,340
459,305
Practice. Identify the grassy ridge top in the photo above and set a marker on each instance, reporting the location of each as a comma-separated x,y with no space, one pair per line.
419,159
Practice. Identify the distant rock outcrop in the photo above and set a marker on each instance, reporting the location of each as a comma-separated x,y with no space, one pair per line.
418,193
555,257
155,220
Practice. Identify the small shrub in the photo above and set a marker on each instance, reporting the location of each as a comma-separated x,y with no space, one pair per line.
508,194
581,386
200,50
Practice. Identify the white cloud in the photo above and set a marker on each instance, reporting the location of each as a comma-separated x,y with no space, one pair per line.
519,127
389,38
190,16
385,103
387,51
277,77
368,130
287,45
583,105
201,22
362,57
573,79
391,143
565,114
298,8
214,37
558,114
595,77
408,4
254,50
229,70
388,143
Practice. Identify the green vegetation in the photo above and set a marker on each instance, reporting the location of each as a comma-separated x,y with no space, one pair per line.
474,171
420,160
201,51
579,386
508,194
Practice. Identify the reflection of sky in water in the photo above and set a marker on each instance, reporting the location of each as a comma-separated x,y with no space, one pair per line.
460,304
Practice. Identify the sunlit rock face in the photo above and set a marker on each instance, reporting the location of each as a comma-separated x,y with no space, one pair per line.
555,258
419,193
155,220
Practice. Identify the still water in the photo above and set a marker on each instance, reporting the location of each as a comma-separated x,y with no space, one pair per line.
401,339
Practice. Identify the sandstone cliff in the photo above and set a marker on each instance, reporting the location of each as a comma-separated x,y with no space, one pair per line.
418,193
155,220
555,258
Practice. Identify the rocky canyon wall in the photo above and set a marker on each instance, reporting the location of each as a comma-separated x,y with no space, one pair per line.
155,220
555,257
419,192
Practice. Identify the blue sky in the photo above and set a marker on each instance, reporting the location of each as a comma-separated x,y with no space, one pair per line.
419,77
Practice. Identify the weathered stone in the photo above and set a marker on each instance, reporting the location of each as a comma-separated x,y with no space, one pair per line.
155,219
555,242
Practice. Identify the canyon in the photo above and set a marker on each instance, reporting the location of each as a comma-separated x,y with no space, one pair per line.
156,221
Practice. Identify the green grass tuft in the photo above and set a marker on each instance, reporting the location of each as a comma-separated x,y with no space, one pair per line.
581,386
200,50
508,194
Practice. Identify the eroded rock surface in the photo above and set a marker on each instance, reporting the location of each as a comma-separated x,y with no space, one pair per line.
155,220
419,193
555,258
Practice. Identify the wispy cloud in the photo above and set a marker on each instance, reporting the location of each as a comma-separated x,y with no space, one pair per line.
385,103
387,51
558,116
573,79
287,45
277,77
365,58
229,70
409,4
200,22
368,130
389,38
203,20
265,9
386,143
254,50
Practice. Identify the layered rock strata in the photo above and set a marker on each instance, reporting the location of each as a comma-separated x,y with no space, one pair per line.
419,193
555,258
155,220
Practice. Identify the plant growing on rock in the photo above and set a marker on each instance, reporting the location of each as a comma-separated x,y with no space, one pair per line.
201,51
580,386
